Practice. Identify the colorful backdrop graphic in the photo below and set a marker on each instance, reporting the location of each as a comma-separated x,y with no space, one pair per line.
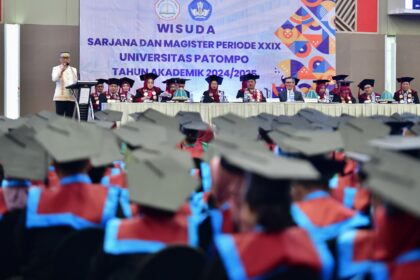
195,38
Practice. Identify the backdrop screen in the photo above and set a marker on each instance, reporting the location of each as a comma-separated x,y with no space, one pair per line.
196,38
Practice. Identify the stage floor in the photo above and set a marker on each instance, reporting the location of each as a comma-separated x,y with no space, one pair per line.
209,111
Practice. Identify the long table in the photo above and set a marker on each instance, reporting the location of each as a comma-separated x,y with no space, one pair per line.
209,111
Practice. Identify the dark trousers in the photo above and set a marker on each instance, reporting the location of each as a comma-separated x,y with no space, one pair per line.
64,108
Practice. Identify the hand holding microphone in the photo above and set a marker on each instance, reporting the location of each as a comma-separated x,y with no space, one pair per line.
64,66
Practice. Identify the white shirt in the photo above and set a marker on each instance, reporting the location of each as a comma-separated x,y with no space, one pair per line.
68,77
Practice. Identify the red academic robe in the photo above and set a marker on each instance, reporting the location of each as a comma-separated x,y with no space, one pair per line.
94,99
390,251
367,97
196,150
152,95
76,203
399,95
145,234
324,217
251,255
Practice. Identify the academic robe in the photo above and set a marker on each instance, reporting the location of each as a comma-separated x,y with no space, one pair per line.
77,203
96,103
390,251
152,95
367,98
208,98
399,95
251,256
324,217
196,150
254,95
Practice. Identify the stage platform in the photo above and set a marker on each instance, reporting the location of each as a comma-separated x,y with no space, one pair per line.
209,111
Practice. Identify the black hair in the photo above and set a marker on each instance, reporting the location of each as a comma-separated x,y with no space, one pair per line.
270,200
72,167
155,213
97,173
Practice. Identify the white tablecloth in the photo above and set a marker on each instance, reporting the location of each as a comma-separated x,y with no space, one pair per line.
209,111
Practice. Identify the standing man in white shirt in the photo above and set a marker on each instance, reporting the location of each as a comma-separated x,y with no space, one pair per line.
64,75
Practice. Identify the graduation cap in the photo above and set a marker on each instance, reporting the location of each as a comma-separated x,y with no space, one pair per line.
216,78
67,140
396,179
161,181
182,81
109,147
308,143
144,134
22,156
340,77
356,133
193,115
345,83
126,80
101,81
248,77
294,79
114,81
397,143
7,124
148,76
193,123
263,162
155,151
158,118
321,82
39,120
366,82
264,121
405,79
236,125
317,118
103,124
171,81
296,122
109,115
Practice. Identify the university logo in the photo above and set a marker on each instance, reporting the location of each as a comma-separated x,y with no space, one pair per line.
200,10
167,9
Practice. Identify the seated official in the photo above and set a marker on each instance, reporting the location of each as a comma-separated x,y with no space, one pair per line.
250,93
113,89
95,96
213,94
368,94
126,85
322,90
406,94
290,94
149,92
343,93
171,88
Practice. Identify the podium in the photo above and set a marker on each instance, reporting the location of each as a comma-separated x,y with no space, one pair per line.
81,92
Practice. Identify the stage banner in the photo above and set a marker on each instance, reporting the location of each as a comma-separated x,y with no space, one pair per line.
193,39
